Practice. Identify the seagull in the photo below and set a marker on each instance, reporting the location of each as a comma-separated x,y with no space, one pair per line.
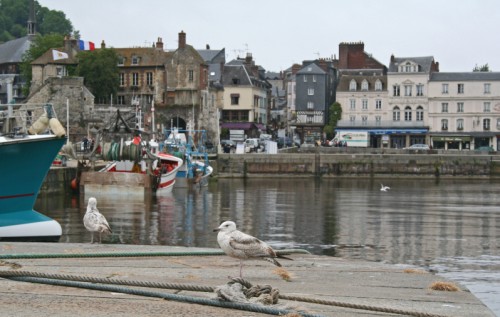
94,221
242,246
384,188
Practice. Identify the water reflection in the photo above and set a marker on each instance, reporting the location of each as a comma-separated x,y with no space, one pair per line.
417,222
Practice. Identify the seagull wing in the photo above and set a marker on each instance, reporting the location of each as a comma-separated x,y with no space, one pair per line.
251,246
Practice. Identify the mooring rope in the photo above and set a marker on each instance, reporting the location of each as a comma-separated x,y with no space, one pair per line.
62,279
130,254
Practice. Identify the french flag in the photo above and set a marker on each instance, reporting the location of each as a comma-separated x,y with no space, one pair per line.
86,46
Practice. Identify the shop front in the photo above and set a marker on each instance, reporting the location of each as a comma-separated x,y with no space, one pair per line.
451,142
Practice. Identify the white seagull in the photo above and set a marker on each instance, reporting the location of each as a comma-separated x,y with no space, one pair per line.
242,246
384,188
94,221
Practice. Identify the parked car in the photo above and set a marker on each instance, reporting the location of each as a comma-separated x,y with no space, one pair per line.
228,145
284,142
252,145
423,147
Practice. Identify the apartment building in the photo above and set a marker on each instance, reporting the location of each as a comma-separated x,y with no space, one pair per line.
464,110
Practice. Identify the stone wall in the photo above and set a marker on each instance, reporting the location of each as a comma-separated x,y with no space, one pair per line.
350,165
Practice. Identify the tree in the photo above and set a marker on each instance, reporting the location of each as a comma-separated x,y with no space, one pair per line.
335,112
40,45
100,71
54,22
482,68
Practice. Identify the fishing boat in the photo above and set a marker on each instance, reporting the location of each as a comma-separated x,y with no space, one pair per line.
196,169
26,156
135,166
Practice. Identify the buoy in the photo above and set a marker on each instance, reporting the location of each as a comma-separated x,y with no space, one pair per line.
74,184
39,125
56,127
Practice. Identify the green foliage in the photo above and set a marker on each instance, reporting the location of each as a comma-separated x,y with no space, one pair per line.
100,71
335,114
40,45
14,16
482,68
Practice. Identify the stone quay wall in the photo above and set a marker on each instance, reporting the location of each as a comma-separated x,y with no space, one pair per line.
356,165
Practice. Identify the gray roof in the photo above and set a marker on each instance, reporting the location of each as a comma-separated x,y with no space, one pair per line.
315,70
424,62
466,76
236,72
13,51
213,56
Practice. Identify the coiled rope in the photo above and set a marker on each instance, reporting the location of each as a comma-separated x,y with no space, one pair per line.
64,280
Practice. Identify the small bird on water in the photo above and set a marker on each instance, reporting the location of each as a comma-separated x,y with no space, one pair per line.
384,188
94,221
242,246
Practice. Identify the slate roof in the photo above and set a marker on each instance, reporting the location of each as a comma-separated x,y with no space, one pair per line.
371,75
466,76
149,56
12,51
315,70
232,71
424,62
213,56
47,58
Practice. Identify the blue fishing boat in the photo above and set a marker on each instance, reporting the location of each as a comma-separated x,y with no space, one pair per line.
196,169
26,156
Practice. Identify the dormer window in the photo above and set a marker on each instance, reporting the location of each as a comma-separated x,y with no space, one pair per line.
135,60
378,85
364,85
121,60
352,85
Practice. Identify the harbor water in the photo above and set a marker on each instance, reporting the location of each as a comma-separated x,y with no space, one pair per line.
451,227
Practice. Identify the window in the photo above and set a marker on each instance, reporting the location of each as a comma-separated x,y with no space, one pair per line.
460,107
135,79
352,85
444,88
364,85
444,107
395,90
190,75
378,120
378,104
364,104
460,88
487,88
59,71
135,60
420,90
352,104
364,120
498,123
122,79
149,78
314,78
420,113
305,78
378,85
352,118
408,67
310,105
310,91
235,99
486,107
460,124
396,115
444,124
407,90
121,60
408,113
486,124
310,118
120,100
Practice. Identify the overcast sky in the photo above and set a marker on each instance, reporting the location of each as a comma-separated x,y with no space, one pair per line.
278,33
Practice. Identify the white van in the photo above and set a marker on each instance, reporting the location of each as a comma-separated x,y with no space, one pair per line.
251,145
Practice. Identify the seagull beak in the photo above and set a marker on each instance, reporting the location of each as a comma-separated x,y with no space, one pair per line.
216,229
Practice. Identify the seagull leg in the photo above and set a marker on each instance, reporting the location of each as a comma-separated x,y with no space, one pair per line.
91,237
100,236
241,269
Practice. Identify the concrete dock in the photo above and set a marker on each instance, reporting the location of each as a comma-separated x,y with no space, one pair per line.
336,287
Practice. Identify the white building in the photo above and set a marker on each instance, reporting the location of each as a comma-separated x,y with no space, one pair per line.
464,110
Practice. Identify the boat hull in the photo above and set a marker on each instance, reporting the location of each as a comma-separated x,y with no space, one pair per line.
25,163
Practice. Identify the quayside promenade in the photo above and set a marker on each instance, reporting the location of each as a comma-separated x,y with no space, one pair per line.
310,285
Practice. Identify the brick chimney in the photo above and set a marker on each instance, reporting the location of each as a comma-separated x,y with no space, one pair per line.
103,44
159,43
352,55
182,39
